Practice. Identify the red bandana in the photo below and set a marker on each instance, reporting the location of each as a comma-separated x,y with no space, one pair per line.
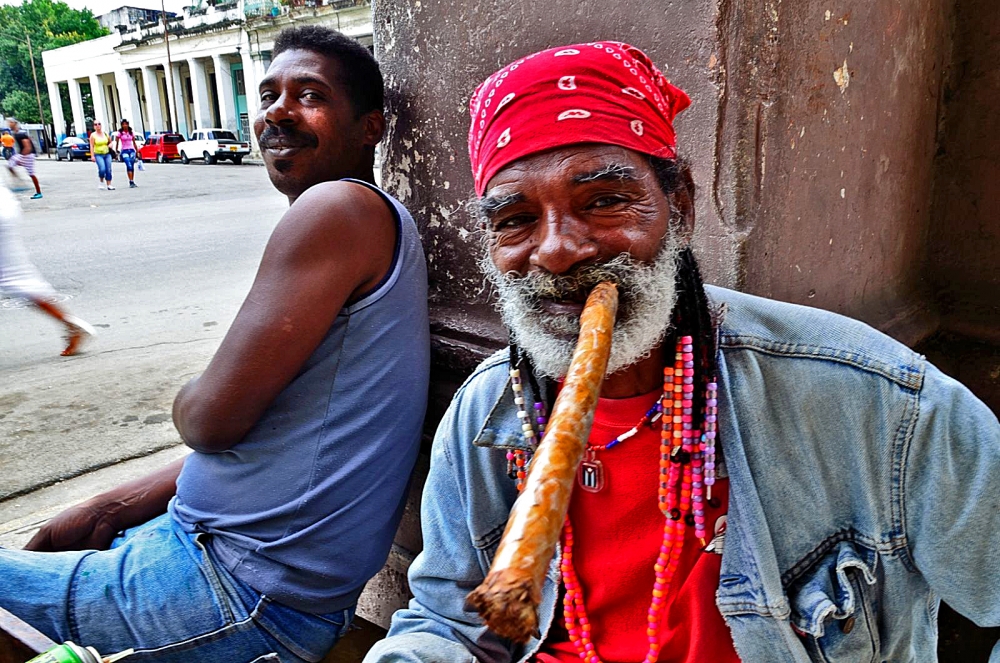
602,92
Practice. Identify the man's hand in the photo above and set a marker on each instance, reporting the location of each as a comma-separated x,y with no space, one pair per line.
82,527
94,524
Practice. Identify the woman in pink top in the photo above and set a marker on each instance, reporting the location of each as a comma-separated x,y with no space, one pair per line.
125,145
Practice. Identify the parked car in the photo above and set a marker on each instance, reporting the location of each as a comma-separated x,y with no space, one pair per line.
72,147
161,147
213,145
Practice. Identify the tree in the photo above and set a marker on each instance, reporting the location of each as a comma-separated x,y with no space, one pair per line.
51,25
24,106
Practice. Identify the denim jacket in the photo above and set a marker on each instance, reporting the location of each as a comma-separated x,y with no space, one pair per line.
864,488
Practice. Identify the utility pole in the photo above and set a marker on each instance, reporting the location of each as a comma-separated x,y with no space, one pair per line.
38,97
171,103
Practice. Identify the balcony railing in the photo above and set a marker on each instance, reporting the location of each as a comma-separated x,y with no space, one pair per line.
275,8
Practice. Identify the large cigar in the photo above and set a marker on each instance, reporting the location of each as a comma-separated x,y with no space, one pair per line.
508,598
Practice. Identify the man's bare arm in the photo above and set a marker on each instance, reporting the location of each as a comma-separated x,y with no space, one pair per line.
334,243
94,524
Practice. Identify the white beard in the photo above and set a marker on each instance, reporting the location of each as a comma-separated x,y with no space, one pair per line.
647,293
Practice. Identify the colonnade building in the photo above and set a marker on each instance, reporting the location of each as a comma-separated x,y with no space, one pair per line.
202,73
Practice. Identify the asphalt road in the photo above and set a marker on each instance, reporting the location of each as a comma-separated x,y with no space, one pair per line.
160,271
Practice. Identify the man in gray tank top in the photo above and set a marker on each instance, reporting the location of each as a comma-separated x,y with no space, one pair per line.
304,427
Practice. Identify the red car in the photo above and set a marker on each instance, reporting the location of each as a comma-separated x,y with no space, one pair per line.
161,147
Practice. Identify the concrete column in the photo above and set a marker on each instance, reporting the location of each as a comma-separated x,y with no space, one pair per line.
171,105
76,102
154,114
100,105
251,80
128,97
57,112
182,125
199,92
224,86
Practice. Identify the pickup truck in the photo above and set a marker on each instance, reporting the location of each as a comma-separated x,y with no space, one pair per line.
213,145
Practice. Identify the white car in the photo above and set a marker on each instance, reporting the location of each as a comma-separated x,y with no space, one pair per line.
213,145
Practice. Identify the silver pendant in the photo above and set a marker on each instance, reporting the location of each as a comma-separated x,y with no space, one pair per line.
590,476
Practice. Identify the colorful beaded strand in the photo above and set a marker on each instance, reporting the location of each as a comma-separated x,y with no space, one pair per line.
518,457
711,419
687,470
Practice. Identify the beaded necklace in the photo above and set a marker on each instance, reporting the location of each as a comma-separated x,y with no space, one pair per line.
687,474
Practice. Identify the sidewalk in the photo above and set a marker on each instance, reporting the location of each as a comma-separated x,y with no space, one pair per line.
21,517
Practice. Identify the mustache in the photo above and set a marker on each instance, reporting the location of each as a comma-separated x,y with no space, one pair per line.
573,286
284,137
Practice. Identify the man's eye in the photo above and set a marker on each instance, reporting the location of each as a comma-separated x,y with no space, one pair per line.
267,96
608,201
512,222
312,96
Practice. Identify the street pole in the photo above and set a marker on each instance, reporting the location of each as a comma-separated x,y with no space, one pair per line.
38,97
171,103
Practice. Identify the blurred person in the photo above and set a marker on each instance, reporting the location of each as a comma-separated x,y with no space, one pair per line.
20,278
125,146
24,156
7,140
100,150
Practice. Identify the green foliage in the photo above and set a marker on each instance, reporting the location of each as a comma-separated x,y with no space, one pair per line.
24,106
50,25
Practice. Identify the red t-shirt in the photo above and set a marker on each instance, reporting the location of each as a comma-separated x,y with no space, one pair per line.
617,534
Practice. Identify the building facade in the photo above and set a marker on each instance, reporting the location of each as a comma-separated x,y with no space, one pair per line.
198,70
127,18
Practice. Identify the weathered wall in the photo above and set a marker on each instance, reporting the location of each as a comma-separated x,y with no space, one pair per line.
845,112
964,244
846,156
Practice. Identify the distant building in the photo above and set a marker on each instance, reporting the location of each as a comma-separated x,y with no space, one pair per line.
128,19
218,54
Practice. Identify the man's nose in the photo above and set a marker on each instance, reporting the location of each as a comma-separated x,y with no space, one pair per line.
280,111
563,245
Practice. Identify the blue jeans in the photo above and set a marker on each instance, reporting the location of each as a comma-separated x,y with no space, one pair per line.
159,591
128,157
103,166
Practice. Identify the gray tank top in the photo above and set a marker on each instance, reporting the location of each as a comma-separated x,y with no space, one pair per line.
305,507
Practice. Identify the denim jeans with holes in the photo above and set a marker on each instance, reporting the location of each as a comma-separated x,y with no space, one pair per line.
158,591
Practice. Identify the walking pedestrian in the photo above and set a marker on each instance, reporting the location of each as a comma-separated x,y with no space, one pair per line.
7,140
101,154
20,278
24,155
125,146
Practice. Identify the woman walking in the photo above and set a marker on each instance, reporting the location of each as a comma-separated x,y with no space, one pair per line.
99,142
125,145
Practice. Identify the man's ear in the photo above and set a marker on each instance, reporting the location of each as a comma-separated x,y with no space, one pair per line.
374,127
682,199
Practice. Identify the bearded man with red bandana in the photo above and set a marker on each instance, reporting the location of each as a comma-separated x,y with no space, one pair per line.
762,482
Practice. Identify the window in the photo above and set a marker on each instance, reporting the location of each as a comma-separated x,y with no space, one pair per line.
172,140
222,135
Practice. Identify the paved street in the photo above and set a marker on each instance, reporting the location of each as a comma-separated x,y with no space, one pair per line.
160,271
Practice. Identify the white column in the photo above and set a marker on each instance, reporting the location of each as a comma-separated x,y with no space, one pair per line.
128,96
183,126
224,86
154,114
199,92
76,102
251,81
57,112
100,107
